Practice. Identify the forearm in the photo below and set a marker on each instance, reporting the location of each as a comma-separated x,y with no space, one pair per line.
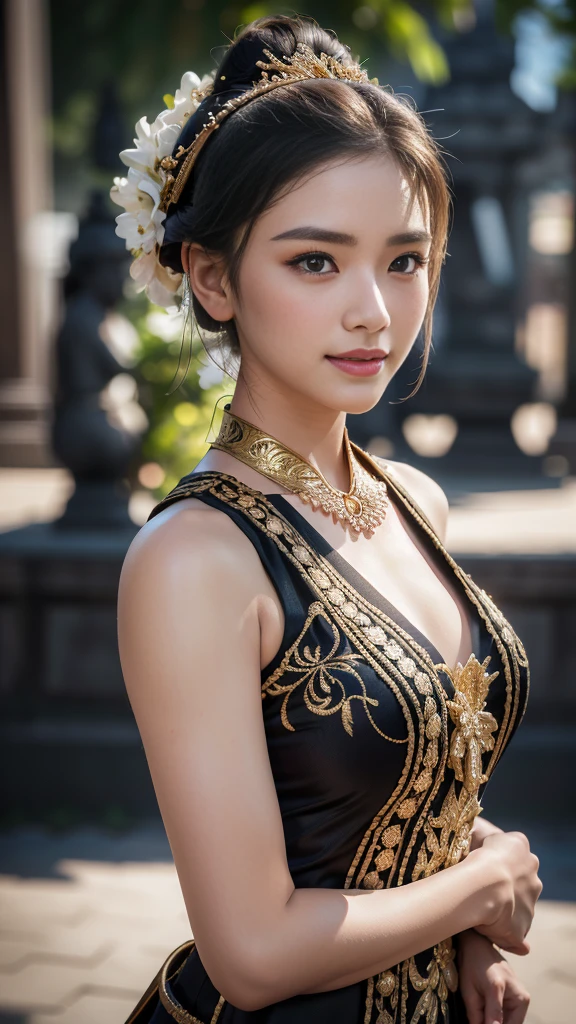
326,939
406,922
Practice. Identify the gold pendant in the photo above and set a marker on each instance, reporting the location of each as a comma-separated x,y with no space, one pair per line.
362,508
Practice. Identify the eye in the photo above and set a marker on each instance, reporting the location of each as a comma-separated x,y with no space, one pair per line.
416,257
313,263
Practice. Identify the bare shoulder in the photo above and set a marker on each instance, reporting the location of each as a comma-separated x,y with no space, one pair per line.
190,577
192,539
192,636
425,491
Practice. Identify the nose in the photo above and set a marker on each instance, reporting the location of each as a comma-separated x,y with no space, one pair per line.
367,309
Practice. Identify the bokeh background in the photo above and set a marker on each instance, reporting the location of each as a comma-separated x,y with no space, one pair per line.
105,402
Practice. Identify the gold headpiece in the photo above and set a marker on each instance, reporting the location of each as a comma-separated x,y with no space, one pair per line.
302,65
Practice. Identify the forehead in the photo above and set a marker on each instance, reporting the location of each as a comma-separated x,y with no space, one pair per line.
366,197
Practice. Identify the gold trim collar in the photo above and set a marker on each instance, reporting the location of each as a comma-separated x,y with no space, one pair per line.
362,507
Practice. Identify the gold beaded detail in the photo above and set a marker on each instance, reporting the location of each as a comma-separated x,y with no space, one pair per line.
362,507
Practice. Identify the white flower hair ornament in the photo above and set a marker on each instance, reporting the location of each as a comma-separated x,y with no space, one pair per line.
158,171
140,193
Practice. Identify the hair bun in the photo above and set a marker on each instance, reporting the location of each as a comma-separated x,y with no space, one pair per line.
281,35
239,67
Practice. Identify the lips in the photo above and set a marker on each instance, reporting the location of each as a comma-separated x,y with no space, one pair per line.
359,362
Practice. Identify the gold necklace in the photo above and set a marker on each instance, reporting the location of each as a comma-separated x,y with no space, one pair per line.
362,507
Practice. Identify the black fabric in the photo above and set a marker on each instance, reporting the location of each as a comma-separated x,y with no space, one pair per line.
334,776
363,586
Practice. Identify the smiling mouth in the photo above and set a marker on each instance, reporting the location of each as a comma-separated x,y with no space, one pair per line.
361,354
359,362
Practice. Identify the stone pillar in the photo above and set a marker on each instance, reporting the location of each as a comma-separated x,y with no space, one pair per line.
26,298
477,376
563,443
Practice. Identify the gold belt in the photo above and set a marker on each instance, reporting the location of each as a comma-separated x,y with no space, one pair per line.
160,987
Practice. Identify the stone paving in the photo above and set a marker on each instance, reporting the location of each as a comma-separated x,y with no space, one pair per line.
86,918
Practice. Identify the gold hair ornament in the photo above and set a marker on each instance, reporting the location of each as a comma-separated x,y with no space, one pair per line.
301,66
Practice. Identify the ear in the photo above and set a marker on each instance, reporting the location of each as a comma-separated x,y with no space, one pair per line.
208,281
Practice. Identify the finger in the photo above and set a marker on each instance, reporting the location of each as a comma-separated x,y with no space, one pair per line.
474,1003
520,950
494,1005
516,1007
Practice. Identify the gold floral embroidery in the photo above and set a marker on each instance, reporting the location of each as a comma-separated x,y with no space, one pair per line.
455,823
410,672
472,736
442,977
474,726
385,859
382,852
507,642
324,692
387,989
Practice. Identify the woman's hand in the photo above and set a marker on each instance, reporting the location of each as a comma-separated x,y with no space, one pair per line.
517,893
481,830
491,991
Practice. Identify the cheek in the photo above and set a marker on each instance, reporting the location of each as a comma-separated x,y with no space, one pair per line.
408,300
279,304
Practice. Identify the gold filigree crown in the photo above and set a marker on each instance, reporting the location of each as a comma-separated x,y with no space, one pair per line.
302,65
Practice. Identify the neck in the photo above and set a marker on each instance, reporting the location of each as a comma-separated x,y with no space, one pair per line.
315,433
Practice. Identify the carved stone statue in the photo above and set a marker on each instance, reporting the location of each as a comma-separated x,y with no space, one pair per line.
86,438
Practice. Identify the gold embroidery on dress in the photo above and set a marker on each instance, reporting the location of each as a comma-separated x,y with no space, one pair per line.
442,977
474,726
387,989
507,642
454,823
324,692
471,737
386,848
382,851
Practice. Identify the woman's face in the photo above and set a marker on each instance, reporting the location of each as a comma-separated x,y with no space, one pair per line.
333,286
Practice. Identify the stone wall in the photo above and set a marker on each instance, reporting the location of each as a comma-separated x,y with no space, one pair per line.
68,739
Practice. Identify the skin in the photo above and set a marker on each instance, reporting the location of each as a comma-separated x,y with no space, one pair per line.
197,699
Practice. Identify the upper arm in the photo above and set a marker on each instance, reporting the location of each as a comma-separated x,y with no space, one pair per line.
426,493
189,637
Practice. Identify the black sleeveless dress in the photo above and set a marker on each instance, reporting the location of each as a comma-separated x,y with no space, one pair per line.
379,752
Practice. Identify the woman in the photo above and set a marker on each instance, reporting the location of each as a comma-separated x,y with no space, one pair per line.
321,691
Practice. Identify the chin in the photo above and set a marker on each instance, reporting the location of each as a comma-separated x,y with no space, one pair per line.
354,404
357,408
357,400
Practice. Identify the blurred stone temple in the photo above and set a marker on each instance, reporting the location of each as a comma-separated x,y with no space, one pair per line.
503,357
68,406
61,678
95,434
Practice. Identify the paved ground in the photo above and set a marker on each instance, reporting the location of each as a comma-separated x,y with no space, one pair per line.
86,918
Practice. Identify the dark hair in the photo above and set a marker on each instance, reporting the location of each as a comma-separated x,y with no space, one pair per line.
263,148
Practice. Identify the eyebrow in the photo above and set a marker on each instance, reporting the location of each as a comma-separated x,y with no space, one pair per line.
314,234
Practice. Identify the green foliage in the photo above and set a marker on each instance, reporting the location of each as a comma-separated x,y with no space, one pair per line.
72,127
179,410
408,35
145,46
142,48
